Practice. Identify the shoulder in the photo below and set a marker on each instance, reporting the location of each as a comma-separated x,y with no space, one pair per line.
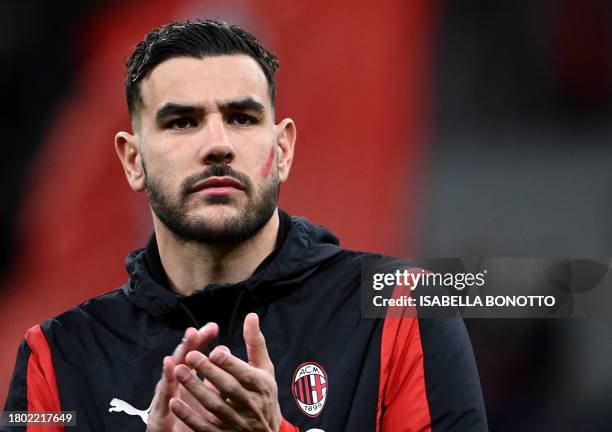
344,268
100,309
356,259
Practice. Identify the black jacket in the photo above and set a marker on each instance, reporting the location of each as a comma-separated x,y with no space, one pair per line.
104,356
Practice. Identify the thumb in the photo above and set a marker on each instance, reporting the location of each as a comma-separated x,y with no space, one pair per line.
257,351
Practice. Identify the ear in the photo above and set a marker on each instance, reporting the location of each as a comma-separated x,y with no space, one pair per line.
286,134
130,156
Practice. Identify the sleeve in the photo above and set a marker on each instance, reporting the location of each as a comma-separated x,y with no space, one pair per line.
287,427
429,380
33,385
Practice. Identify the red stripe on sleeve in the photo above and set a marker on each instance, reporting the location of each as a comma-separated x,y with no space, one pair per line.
287,427
402,396
42,390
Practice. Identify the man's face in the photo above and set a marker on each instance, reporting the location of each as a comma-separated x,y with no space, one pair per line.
208,147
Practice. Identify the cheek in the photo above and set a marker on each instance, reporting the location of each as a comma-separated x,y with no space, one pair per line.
162,170
267,167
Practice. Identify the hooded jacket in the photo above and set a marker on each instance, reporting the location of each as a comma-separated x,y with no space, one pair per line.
335,371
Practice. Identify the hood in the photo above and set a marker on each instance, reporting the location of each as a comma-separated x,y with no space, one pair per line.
304,249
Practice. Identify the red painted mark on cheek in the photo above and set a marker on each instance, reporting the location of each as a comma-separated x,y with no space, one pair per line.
265,171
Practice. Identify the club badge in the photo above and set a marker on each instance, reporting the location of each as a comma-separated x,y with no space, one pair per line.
309,388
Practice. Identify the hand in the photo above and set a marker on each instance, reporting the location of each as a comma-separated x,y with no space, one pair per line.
161,419
247,397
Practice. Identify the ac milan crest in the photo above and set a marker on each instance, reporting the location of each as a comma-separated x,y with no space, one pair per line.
309,388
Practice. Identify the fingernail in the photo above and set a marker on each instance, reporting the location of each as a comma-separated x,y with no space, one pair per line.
205,327
182,374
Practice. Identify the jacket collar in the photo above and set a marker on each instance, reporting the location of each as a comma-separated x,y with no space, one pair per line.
301,248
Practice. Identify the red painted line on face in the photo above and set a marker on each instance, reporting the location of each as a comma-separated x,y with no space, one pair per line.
265,171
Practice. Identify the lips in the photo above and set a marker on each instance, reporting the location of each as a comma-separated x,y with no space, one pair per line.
218,186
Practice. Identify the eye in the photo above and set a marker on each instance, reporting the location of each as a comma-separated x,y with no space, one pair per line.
181,123
242,119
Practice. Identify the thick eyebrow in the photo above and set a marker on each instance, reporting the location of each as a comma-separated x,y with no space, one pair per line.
171,109
246,104
175,109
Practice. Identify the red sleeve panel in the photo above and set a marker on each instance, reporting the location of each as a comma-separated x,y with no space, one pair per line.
42,393
402,398
33,385
428,377
287,427
41,384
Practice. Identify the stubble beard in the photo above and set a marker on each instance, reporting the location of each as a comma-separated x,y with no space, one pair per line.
175,214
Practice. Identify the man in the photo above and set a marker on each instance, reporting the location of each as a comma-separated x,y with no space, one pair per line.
224,268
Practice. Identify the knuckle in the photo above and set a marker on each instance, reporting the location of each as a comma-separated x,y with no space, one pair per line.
252,405
196,360
251,382
189,381
201,427
262,380
211,418
270,391
184,416
245,427
217,406
233,389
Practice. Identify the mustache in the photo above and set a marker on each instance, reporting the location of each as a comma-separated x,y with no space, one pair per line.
216,170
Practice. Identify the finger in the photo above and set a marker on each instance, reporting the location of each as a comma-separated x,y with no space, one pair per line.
257,351
165,389
209,400
223,348
183,394
247,376
207,383
195,340
191,418
210,386
187,340
227,385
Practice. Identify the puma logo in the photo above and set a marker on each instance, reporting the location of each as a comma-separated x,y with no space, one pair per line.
117,405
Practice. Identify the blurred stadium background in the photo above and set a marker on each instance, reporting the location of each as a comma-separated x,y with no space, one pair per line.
432,128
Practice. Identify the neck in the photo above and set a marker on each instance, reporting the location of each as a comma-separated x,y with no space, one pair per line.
190,266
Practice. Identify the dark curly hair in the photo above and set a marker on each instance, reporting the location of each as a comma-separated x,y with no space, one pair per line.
198,39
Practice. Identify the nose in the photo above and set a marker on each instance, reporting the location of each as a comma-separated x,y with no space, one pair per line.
217,146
